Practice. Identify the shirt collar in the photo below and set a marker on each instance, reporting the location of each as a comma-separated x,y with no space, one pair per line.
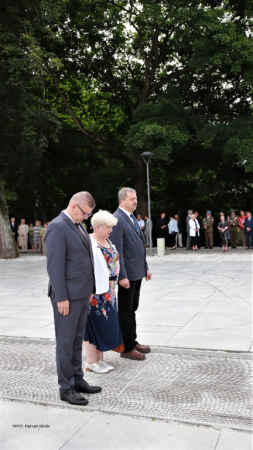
125,211
65,212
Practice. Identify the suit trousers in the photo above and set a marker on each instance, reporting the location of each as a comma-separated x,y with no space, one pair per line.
69,333
209,238
147,239
128,302
178,240
23,242
233,237
249,238
188,240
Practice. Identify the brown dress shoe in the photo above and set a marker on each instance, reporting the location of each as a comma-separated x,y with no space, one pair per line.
143,348
134,354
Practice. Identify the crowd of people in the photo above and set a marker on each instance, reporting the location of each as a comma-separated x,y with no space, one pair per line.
232,230
225,231
29,236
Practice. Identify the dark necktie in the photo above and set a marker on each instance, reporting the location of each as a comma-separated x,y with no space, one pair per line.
85,235
135,224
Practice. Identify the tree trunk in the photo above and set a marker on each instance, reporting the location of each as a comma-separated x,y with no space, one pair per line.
8,247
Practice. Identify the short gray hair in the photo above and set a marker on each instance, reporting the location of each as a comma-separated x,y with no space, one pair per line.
103,218
83,197
122,195
190,211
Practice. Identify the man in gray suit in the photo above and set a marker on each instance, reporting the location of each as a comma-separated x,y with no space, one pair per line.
148,228
188,240
130,243
71,274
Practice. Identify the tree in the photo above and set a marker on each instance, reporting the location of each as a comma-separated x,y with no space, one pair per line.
163,76
169,76
26,119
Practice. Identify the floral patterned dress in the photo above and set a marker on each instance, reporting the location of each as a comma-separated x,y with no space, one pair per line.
102,328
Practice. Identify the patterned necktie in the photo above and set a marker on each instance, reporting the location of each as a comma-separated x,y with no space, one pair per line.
135,224
85,235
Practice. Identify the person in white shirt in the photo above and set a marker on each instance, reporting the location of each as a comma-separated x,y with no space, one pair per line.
194,231
141,222
173,230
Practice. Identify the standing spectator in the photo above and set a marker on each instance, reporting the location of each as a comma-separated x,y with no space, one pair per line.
148,228
141,222
208,227
194,232
248,225
223,230
42,235
173,231
233,224
241,220
37,237
188,240
31,236
179,242
14,229
129,241
23,230
161,226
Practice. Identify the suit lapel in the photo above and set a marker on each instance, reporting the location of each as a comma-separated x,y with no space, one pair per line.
127,218
74,228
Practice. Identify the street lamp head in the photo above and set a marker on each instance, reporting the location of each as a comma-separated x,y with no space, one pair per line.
146,156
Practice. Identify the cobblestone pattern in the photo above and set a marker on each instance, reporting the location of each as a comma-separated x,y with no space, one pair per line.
187,388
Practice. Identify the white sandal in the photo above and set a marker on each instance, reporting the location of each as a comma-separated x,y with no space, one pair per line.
105,365
96,367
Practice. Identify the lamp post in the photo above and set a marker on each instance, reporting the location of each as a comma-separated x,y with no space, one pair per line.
146,158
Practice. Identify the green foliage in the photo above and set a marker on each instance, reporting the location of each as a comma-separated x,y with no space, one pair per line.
159,126
88,85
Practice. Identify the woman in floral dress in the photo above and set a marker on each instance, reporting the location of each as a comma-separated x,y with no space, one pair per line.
102,328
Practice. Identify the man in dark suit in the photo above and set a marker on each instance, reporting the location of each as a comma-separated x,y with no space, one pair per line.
248,225
71,274
130,243
14,228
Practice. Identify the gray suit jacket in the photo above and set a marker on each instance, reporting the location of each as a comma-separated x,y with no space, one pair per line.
131,248
148,226
188,218
69,262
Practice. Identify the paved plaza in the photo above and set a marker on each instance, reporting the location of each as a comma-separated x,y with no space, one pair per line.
193,391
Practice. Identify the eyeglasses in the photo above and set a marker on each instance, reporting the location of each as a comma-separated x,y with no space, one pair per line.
84,213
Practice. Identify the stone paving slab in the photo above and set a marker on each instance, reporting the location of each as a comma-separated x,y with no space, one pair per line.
194,389
26,426
193,301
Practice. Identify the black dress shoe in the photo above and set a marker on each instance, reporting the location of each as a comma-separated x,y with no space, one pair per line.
73,397
83,386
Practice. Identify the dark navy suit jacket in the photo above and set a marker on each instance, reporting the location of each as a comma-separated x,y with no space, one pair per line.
131,247
248,223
